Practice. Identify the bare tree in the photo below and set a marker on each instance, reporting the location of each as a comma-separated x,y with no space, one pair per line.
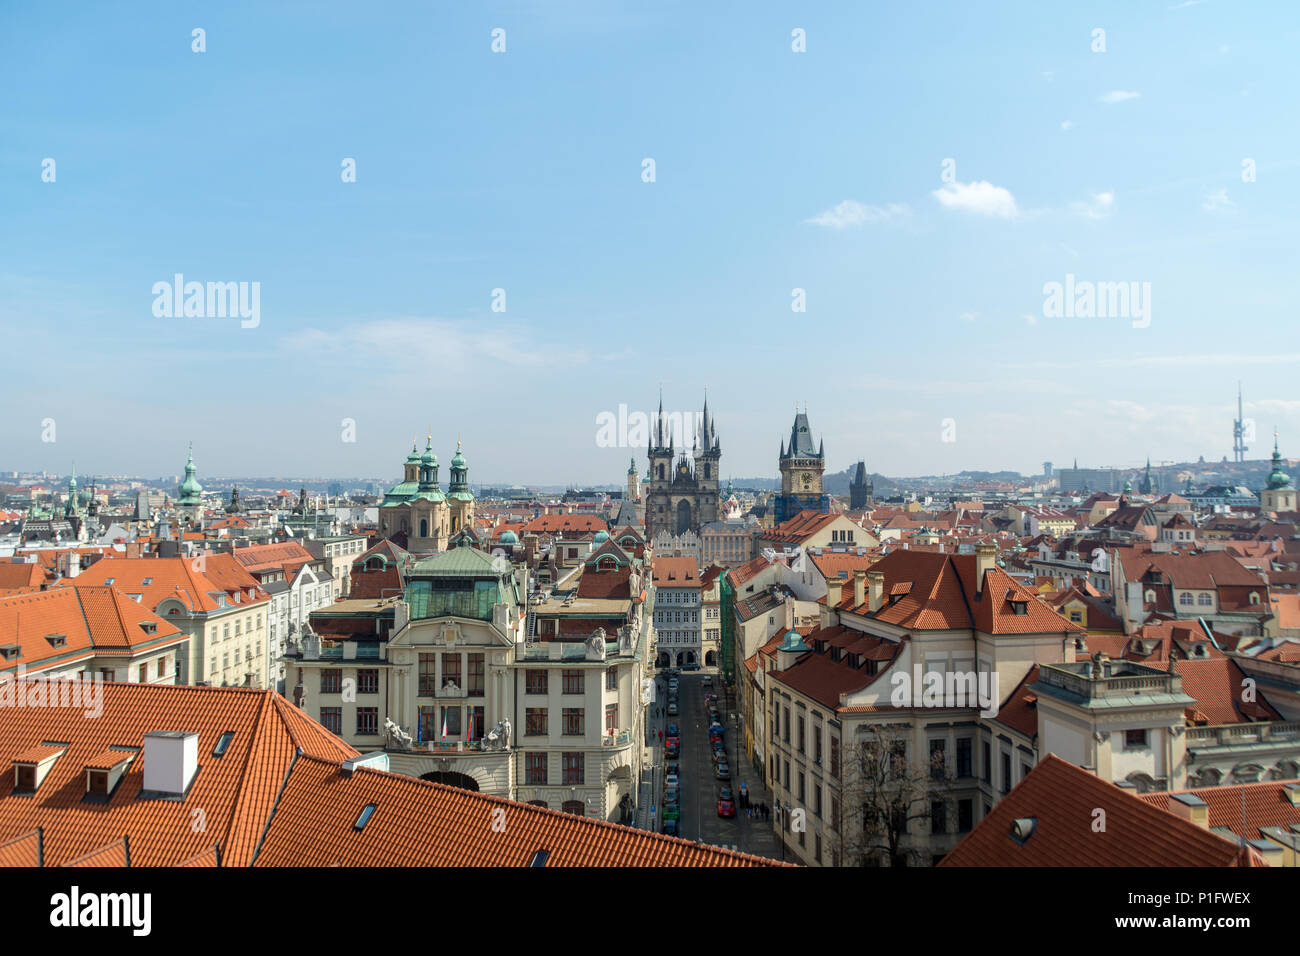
884,795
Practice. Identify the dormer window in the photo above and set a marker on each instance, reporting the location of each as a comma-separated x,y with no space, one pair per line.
10,652
56,640
1019,607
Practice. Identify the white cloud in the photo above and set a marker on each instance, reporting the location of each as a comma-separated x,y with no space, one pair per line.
1218,202
1119,96
426,342
981,197
969,316
1186,3
1099,207
1030,318
1067,124
853,213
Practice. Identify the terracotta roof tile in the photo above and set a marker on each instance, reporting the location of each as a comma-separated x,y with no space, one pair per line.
1062,798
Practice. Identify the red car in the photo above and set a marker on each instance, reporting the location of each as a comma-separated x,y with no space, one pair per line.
726,808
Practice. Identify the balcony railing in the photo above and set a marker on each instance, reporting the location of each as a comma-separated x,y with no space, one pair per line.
617,740
1229,735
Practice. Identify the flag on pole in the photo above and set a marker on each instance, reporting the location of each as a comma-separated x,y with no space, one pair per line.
444,725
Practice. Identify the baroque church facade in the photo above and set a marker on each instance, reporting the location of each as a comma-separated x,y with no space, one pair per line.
681,487
418,509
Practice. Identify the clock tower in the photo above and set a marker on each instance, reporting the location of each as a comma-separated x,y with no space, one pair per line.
802,468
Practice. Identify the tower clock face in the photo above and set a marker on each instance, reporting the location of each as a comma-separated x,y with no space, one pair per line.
807,480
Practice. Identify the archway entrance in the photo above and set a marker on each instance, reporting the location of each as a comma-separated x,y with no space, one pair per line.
711,659
683,516
452,779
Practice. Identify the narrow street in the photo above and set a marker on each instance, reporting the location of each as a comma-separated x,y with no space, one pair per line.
699,786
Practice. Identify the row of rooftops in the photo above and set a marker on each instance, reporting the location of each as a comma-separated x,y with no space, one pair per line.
275,788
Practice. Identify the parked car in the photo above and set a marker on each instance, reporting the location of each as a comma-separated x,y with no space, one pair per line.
722,771
672,768
671,780
672,730
691,667
726,808
672,795
724,793
716,731
673,741
670,751
672,708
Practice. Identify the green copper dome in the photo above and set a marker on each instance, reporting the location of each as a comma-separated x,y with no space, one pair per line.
1279,478
600,537
509,537
190,489
429,457
414,457
458,460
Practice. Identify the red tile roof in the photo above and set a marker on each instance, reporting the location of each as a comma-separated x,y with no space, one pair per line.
279,797
676,572
89,618
1062,800
800,528
1263,805
417,823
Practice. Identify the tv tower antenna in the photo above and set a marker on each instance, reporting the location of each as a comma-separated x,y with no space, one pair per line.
1239,431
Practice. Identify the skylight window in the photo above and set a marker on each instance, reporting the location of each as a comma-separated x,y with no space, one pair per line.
146,582
223,743
367,812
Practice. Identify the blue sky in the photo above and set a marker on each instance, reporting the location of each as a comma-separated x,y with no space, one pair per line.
522,171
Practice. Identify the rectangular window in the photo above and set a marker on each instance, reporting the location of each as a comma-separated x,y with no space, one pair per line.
427,726
938,817
331,681
535,769
367,721
573,769
450,720
799,741
331,719
938,759
786,738
965,816
428,675
817,743
368,682
477,670
801,787
987,754
535,682
573,682
964,757
1006,773
574,722
835,757
611,678
144,673
535,721
475,717
817,799
1135,739
611,718
451,669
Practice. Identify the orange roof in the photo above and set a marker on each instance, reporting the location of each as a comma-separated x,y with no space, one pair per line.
676,572
840,565
15,577
87,617
1263,804
800,528
943,595
551,524
279,796
417,823
195,581
1061,799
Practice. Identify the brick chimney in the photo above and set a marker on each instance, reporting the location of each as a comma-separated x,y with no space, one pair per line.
859,587
1191,808
986,557
875,589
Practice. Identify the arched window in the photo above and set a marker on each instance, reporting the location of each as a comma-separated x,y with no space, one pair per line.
424,527
1185,599
537,803
1149,597
1204,600
1254,597
576,807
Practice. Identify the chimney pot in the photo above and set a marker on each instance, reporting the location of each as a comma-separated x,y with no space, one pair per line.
876,589
859,587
